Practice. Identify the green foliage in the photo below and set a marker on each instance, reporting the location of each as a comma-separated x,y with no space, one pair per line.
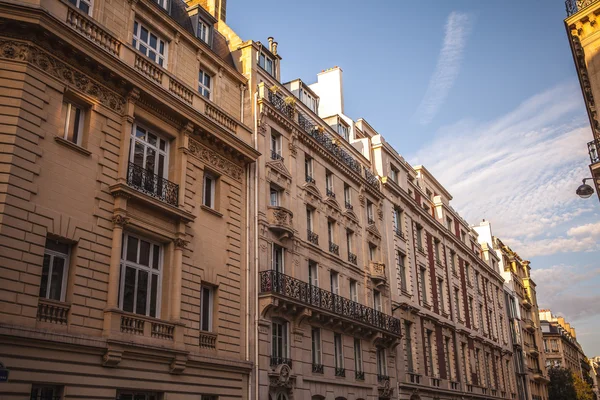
562,386
582,389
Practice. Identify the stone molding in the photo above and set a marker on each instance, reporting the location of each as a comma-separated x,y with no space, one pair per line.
218,162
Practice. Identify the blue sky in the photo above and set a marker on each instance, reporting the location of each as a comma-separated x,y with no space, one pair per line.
484,93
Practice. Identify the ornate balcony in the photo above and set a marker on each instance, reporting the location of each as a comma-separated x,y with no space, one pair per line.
340,371
413,377
312,237
349,206
275,361
330,193
526,302
352,258
276,156
281,221
317,368
371,178
529,325
377,270
131,327
381,378
153,185
301,293
359,375
208,340
370,221
398,232
334,248
574,6
310,179
594,151
280,104
53,311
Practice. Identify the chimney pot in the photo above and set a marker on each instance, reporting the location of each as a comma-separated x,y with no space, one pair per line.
270,39
274,48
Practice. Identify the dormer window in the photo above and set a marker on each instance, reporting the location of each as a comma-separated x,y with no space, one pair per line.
163,3
308,100
266,63
203,31
341,128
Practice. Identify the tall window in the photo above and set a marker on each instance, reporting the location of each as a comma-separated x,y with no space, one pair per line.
266,63
204,84
148,156
203,31
275,145
334,280
419,237
339,354
393,174
308,169
141,270
313,274
471,312
449,223
423,285
210,185
429,355
309,219
316,347
347,196
481,323
149,44
447,356
408,343
331,231
72,117
83,5
358,364
463,353
349,241
477,281
353,291
163,3
274,196
453,262
440,288
457,302
370,215
381,362
278,257
468,273
309,100
477,370
372,252
206,307
377,300
329,183
54,271
402,270
279,340
436,246
397,217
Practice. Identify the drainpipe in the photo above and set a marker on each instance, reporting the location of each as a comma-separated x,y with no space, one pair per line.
255,142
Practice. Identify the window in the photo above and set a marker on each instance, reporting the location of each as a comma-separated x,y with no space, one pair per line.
447,357
408,344
208,397
278,258
393,174
402,270
203,32
163,3
83,5
266,63
477,281
275,145
206,308
471,312
72,118
453,262
372,252
210,184
204,84
309,100
419,238
334,280
149,44
396,219
313,273
329,183
349,241
423,285
148,158
45,392
308,169
436,247
370,215
353,291
331,231
309,219
477,363
54,270
342,130
463,236
377,300
457,302
429,354
279,341
449,223
316,347
358,364
481,323
274,196
442,304
141,272
381,362
347,196
468,273
339,355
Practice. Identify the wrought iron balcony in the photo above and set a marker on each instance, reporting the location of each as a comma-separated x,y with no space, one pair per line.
340,371
371,178
275,361
302,292
280,104
310,179
330,193
312,237
398,232
594,150
317,368
420,249
359,375
153,185
574,6
370,221
276,156
334,248
381,378
349,206
352,258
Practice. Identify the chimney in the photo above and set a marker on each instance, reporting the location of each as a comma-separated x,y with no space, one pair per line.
270,39
573,333
274,51
330,89
217,8
561,321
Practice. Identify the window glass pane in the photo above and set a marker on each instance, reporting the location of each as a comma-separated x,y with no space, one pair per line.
208,191
132,248
57,246
153,41
84,7
56,278
144,34
138,154
205,323
129,289
156,257
142,292
45,272
151,160
153,295
144,253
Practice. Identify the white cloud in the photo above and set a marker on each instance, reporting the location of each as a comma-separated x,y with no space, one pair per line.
458,27
590,230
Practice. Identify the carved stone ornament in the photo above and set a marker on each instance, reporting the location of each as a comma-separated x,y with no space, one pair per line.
112,358
282,378
216,161
120,220
180,243
361,199
262,126
178,365
385,391
292,144
26,52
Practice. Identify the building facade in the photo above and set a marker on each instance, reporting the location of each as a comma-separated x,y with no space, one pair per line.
584,38
123,235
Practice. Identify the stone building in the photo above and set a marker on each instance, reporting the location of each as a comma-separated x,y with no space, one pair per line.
561,348
582,30
123,198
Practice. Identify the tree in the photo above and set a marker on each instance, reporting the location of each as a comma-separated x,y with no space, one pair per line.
582,388
561,385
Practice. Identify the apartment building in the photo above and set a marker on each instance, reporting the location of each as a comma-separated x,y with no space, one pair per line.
123,255
561,348
582,31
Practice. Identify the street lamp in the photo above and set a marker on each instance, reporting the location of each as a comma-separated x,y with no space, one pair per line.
584,190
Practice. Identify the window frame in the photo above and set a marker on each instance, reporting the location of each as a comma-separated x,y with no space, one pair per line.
208,30
402,270
309,219
262,56
285,342
69,103
358,359
203,88
381,361
308,166
313,273
338,350
273,190
377,301
147,145
347,194
422,278
408,344
276,247
209,176
136,40
334,280
316,346
56,391
89,3
211,292
164,4
134,393
65,274
353,290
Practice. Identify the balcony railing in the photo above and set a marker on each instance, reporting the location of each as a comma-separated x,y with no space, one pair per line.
381,378
276,156
371,178
349,206
53,311
574,6
340,371
594,150
370,221
275,282
317,368
275,361
208,340
312,237
310,179
334,248
352,258
330,193
414,378
153,185
359,375
280,104
398,232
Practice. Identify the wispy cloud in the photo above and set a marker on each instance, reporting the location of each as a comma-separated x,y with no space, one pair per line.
458,27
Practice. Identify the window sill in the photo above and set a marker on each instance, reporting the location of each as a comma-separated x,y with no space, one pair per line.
72,145
211,210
